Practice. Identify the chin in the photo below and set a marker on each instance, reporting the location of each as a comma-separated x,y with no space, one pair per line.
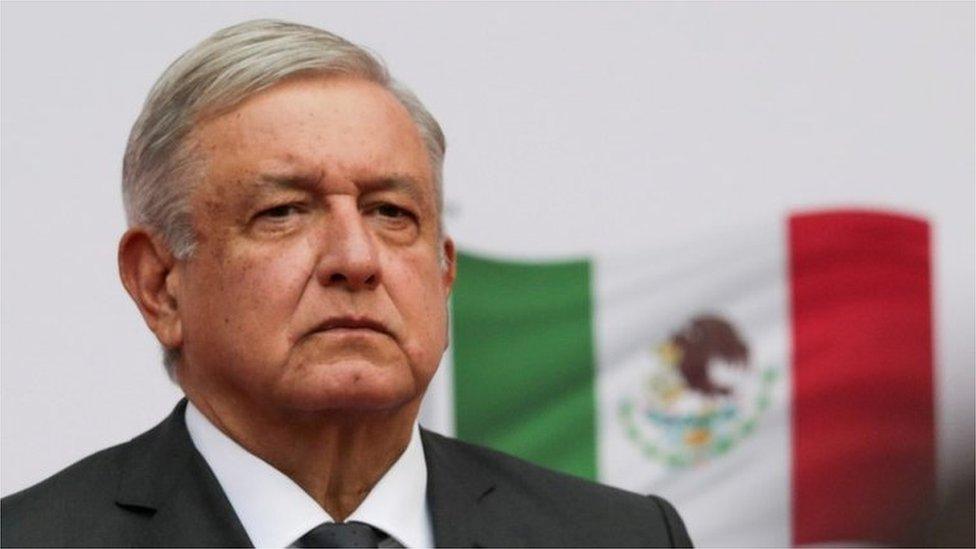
352,385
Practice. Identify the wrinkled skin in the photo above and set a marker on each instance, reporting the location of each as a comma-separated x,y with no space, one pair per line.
313,312
300,222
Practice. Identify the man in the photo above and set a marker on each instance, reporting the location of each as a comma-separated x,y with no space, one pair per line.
286,248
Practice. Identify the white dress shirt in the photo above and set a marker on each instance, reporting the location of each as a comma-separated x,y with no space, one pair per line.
275,511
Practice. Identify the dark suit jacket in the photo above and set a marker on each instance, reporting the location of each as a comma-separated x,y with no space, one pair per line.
157,490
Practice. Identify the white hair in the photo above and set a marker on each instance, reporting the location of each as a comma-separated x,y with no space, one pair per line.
162,165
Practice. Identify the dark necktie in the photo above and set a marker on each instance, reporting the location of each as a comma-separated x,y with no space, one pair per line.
346,534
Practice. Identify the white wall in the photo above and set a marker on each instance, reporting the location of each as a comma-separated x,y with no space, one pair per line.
571,128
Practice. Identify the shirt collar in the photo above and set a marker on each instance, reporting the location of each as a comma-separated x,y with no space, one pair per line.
275,511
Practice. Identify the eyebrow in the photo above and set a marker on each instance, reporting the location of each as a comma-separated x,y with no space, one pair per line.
401,183
310,183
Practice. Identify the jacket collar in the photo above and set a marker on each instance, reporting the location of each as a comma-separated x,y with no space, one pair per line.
467,505
164,479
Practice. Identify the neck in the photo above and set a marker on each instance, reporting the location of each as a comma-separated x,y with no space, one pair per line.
336,456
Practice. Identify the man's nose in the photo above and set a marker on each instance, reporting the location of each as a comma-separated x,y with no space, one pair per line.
349,256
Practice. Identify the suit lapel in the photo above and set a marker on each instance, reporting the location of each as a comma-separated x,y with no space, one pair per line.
465,504
166,480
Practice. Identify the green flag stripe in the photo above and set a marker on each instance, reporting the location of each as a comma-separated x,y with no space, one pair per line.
524,360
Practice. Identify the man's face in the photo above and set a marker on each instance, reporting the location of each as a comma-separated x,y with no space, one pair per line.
317,281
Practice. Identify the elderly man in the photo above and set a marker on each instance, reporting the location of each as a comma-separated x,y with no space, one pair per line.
286,248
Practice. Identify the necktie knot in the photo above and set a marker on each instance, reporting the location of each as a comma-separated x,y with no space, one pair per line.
345,534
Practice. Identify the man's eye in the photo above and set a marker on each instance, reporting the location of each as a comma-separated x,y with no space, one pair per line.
279,212
391,211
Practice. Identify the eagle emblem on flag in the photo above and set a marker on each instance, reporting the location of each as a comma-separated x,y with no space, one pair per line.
700,395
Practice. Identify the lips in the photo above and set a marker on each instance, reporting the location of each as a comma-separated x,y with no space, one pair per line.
352,323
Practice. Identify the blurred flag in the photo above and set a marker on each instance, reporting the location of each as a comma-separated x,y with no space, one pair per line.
775,384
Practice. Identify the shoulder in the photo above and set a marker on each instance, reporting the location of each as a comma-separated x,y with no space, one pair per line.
582,508
75,497
506,469
78,505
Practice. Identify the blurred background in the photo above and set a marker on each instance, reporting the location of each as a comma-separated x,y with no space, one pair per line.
720,252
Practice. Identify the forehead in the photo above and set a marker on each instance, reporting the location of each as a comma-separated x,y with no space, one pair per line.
342,128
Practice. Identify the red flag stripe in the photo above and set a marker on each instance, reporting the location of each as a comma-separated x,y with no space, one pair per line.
863,411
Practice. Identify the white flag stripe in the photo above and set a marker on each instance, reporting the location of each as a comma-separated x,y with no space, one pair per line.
741,497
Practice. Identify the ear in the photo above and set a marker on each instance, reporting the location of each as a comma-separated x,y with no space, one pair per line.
449,255
148,271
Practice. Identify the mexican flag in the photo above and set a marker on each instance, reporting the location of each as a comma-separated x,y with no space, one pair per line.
775,384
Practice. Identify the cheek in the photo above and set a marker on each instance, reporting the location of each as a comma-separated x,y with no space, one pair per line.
266,288
251,301
422,303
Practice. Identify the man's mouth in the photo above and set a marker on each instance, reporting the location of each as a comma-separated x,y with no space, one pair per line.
353,324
